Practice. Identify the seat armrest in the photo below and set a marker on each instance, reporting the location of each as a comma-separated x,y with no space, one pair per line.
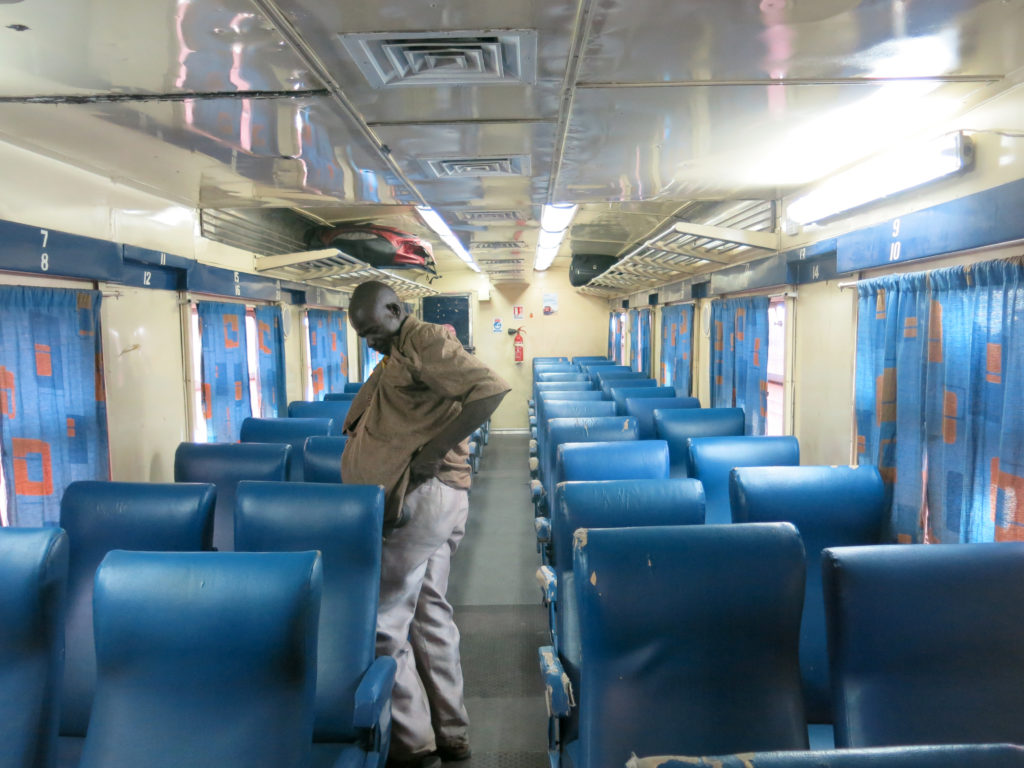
533,447
543,527
534,466
536,490
374,692
557,688
548,580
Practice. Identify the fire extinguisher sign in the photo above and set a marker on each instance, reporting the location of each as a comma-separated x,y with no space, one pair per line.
517,312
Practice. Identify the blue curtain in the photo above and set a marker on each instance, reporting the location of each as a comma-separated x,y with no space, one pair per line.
634,339
676,343
225,374
53,415
270,346
941,411
739,358
369,358
328,351
645,319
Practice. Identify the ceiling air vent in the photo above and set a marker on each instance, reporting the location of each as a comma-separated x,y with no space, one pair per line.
463,167
485,217
487,263
496,245
390,60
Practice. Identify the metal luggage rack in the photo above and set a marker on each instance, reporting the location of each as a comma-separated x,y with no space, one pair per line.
330,268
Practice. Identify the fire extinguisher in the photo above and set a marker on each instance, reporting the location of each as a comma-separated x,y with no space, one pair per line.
517,345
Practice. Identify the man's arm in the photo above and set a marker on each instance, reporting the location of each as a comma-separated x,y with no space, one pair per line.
427,463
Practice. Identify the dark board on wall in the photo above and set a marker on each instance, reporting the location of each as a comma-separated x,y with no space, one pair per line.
451,310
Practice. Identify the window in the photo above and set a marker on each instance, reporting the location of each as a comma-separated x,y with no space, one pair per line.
775,415
308,367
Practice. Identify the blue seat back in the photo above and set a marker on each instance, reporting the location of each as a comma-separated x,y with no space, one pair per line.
351,387
925,643
543,376
642,409
224,464
321,459
565,409
289,431
605,380
574,394
320,409
343,522
604,429
689,638
632,460
621,394
205,659
561,386
676,426
542,360
565,367
607,370
581,359
34,574
103,516
945,756
339,397
831,507
713,458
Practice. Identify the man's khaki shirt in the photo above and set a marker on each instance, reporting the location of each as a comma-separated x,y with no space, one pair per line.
409,398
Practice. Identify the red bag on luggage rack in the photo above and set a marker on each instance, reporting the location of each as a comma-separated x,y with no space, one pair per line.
377,245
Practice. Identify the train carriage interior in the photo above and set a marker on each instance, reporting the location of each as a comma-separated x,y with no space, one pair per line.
753,270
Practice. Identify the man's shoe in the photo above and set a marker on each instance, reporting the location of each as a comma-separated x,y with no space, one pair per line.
453,752
429,760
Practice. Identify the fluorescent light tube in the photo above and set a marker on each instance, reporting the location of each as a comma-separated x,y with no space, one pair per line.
883,176
440,227
554,221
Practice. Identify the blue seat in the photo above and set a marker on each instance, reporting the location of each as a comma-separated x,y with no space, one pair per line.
546,376
103,516
642,409
605,429
321,459
34,574
634,460
562,367
946,756
205,659
288,431
339,397
581,359
224,464
578,395
541,360
605,381
925,643
344,523
620,394
561,386
351,387
567,409
606,369
679,425
688,638
320,409
831,507
713,458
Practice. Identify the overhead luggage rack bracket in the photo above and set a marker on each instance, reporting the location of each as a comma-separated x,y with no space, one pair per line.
330,268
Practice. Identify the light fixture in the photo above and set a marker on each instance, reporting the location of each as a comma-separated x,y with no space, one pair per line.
440,227
554,221
883,176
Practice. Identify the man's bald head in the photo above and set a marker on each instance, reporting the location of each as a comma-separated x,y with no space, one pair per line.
377,314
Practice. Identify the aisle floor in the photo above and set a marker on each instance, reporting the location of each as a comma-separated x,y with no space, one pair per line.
498,611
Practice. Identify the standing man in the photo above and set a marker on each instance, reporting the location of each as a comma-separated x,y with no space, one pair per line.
407,430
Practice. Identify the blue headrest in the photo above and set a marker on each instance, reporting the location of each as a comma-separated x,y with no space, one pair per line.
321,409
321,459
579,394
101,516
545,376
678,425
224,464
353,386
573,409
621,394
541,360
925,643
945,756
34,574
291,431
590,430
632,460
633,382
642,409
205,659
590,359
713,458
609,370
689,640
831,507
562,386
565,367
621,504
339,397
343,522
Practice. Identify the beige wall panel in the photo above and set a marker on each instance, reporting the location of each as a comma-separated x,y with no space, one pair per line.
580,327
145,382
823,373
701,371
294,353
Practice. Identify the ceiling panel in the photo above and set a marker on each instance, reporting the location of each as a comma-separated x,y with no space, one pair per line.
153,47
728,40
706,142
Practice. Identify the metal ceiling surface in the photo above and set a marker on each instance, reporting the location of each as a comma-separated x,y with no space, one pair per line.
645,112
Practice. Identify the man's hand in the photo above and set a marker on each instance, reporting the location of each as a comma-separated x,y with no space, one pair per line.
425,465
